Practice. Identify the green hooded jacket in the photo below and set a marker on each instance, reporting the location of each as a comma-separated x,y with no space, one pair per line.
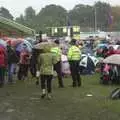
46,60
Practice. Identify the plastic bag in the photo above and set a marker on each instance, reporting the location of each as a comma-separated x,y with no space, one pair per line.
65,65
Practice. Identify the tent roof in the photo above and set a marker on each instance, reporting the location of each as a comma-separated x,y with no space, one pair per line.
11,25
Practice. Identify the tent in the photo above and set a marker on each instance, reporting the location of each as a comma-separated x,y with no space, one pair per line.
88,64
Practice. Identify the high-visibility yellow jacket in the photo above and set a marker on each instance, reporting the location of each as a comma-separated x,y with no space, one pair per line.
74,53
56,51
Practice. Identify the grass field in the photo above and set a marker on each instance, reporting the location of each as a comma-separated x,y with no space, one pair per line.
22,102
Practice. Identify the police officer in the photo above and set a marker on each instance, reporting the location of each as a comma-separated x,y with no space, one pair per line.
74,55
56,51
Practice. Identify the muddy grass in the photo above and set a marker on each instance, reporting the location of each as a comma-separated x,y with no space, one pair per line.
22,102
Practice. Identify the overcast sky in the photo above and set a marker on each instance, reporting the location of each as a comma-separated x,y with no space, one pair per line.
16,7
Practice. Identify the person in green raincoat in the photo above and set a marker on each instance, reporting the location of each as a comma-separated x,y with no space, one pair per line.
45,69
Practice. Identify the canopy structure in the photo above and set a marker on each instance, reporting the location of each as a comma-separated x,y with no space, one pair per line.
9,27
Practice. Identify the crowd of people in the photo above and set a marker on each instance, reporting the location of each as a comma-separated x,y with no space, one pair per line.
110,73
41,63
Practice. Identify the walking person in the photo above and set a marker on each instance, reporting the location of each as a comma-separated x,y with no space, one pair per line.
2,67
45,66
12,59
24,63
74,55
56,51
33,62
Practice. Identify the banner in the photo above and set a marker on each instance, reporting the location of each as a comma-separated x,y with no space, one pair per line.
76,29
64,30
56,30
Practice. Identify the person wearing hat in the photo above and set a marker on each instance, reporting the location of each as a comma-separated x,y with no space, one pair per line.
74,55
45,64
56,51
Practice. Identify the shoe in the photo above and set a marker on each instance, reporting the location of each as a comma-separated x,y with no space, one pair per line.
49,97
43,93
43,96
74,85
37,83
79,85
61,86
1,85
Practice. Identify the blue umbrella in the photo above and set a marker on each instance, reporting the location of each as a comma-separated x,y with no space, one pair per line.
31,40
20,46
3,43
102,45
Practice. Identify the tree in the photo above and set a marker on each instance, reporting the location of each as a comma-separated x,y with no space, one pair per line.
29,13
52,15
5,13
103,10
20,19
116,18
82,15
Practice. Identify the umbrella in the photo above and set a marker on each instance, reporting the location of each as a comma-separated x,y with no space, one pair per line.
20,46
45,45
86,59
102,46
15,42
31,40
116,47
3,43
113,59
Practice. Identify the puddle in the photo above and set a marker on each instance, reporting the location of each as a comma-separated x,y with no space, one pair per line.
10,110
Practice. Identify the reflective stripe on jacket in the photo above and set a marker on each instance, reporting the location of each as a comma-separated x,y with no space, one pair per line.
56,51
74,53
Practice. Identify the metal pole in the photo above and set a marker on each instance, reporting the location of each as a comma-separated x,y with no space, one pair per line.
95,19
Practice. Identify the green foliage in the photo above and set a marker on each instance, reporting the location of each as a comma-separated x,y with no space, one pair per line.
81,15
102,10
5,13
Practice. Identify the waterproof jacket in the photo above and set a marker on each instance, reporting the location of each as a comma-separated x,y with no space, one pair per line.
45,63
56,51
74,53
2,59
12,56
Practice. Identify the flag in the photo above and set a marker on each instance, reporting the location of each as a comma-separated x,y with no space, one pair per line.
68,21
55,30
64,30
110,17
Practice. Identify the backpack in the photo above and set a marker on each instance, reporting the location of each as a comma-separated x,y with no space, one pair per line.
115,94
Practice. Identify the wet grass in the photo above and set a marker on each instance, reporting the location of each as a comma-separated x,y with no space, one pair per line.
22,102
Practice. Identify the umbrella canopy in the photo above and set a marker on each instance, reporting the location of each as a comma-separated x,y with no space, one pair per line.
116,47
15,42
45,46
113,59
31,40
20,46
3,43
85,59
102,46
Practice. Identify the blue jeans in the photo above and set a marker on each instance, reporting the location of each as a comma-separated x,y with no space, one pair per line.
11,70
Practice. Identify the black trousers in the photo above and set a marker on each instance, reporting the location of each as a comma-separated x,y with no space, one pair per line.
33,70
2,75
57,68
46,81
74,67
23,71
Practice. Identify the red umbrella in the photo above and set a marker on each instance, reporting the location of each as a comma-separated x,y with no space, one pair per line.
14,43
